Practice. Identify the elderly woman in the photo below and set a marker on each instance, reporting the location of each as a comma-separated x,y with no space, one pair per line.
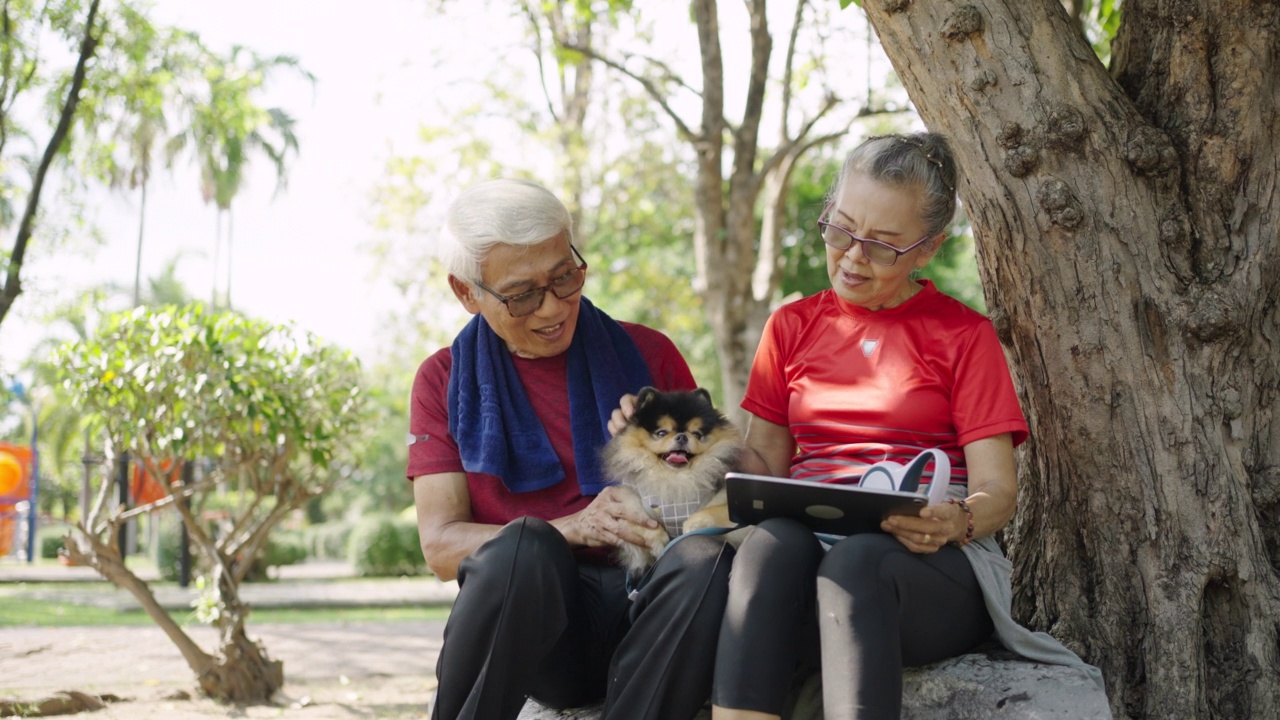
506,426
879,367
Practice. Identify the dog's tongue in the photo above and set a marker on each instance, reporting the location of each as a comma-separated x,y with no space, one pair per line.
677,458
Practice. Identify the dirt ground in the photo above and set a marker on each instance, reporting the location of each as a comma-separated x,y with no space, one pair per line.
333,671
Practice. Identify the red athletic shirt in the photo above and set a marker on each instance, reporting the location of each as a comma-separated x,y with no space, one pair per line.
546,384
857,386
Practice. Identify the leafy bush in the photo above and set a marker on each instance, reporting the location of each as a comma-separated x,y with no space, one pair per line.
328,540
48,539
284,548
167,553
384,545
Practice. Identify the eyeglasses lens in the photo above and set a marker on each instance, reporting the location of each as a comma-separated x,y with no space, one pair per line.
563,287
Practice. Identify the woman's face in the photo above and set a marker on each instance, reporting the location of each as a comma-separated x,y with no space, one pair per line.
511,270
875,211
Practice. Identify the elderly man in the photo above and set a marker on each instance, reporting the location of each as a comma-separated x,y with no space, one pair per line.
505,428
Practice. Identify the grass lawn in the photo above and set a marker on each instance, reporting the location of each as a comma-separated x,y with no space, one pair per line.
15,611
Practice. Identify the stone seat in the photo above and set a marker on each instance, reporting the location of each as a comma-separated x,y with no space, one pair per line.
985,684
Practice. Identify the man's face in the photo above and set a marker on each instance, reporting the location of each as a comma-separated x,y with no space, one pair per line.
510,270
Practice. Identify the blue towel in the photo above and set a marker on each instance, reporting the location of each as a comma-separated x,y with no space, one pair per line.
496,430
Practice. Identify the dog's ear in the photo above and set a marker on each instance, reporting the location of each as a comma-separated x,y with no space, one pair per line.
645,395
705,395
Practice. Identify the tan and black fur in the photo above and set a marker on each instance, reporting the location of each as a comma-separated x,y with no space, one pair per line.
674,451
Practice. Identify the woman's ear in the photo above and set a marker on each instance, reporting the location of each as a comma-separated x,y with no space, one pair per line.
465,293
931,249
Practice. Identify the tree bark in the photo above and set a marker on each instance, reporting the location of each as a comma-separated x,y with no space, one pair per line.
1125,231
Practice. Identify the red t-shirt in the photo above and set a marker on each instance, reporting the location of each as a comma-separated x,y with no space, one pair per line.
857,386
546,383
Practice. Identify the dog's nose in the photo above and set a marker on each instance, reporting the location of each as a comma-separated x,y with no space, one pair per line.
682,439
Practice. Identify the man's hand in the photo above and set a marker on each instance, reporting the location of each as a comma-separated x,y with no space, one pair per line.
618,419
614,517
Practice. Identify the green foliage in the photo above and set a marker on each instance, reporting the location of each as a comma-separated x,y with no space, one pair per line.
284,548
49,540
275,412
183,382
1100,20
385,545
167,552
328,541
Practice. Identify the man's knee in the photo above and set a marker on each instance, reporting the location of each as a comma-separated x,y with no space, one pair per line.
523,550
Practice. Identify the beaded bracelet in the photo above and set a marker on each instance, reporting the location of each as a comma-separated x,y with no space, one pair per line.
968,533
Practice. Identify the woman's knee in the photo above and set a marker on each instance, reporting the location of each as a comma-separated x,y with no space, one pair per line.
865,561
778,548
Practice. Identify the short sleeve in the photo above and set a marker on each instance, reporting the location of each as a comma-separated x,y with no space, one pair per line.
766,395
431,447
984,402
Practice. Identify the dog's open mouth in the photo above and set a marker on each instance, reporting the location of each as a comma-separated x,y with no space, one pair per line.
676,458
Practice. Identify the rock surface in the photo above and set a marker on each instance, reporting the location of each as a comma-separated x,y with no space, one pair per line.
995,684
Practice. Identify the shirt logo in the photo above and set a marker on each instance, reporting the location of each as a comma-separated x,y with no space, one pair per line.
869,346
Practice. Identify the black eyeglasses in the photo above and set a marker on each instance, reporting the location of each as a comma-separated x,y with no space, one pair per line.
877,252
528,302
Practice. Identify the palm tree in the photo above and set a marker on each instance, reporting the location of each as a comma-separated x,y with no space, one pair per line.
227,127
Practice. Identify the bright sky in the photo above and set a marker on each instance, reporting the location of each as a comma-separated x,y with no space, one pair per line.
299,256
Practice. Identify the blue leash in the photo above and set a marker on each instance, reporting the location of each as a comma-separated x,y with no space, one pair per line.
634,589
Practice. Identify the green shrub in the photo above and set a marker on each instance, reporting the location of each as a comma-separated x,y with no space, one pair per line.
385,545
167,553
284,547
328,540
48,539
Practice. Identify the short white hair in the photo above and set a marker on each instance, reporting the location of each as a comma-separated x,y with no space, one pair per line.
504,211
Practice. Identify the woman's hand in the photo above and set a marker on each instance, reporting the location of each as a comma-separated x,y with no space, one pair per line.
936,526
993,496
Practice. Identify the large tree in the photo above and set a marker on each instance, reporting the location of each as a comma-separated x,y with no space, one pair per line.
1125,225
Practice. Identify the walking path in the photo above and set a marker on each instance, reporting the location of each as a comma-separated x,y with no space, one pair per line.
333,671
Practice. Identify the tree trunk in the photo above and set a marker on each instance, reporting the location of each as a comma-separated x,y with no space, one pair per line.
240,672
1127,248
137,263
725,234
12,286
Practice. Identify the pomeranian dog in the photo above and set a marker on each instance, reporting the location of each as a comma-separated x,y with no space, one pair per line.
673,453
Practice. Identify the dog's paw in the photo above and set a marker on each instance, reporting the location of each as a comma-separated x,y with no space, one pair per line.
654,538
713,516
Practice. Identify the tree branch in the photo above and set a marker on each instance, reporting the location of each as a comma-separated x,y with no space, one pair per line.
537,54
13,283
649,86
787,66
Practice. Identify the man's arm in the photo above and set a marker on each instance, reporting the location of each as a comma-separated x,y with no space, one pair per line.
445,530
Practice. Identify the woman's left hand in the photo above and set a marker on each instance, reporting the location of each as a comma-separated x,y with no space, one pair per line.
936,526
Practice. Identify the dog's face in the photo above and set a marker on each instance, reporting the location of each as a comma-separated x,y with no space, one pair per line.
677,429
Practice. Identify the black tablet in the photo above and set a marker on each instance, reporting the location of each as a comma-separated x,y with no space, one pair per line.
823,507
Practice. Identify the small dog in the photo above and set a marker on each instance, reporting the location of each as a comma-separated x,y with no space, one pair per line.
673,453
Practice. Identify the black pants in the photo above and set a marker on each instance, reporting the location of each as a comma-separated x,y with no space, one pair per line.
867,608
529,620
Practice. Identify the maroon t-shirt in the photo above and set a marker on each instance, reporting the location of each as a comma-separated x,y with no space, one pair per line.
545,381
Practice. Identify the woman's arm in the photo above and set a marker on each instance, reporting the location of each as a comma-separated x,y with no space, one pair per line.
993,497
769,448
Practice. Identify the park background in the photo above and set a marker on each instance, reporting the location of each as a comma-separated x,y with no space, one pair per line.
1121,201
